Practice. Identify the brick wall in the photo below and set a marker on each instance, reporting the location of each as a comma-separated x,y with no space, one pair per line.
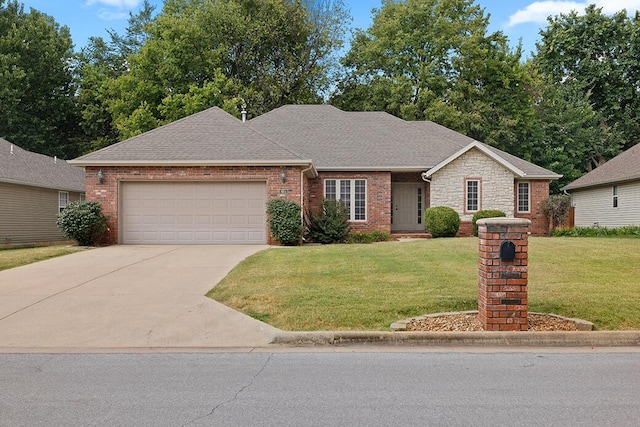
539,192
378,198
107,193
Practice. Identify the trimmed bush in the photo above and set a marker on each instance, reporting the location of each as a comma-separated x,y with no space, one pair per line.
488,213
441,221
372,237
330,225
285,221
83,222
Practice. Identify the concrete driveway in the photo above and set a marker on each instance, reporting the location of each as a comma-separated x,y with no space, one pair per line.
121,297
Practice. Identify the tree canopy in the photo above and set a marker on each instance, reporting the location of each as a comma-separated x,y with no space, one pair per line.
38,110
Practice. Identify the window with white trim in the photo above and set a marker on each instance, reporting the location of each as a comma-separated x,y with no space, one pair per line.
472,193
615,196
352,193
63,200
524,197
82,197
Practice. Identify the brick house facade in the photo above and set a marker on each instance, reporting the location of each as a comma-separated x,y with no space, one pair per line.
386,170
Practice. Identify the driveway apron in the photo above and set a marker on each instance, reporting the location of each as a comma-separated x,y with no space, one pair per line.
126,297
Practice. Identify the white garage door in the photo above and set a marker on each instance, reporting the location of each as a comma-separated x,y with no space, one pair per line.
193,212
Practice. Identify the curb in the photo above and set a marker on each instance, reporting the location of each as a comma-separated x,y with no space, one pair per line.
478,339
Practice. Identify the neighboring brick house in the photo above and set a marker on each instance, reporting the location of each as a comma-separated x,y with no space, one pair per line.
33,190
206,178
609,196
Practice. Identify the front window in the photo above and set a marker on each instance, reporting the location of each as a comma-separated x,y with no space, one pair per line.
615,196
472,195
63,200
352,193
82,197
523,197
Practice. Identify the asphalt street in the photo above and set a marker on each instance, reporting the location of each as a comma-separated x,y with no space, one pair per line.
320,389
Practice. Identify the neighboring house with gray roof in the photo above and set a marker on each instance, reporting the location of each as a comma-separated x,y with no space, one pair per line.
609,196
206,178
34,188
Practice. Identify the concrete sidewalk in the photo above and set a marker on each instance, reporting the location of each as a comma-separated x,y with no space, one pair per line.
126,297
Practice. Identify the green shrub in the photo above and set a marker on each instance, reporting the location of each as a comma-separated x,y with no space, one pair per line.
285,221
372,237
83,222
330,225
487,213
626,231
441,221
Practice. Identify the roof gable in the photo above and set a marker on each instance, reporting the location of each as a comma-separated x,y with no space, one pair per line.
211,136
519,167
624,167
20,166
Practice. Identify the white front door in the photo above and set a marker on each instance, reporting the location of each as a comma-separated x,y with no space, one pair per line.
407,206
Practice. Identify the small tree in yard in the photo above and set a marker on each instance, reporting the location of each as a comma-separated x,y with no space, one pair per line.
285,221
330,224
556,208
83,222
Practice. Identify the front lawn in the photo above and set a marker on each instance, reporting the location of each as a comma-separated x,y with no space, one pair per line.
367,287
10,258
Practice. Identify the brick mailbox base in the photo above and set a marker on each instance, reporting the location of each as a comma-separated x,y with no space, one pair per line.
502,273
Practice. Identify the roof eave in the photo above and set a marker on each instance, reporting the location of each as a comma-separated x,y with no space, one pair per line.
34,184
290,162
570,187
374,169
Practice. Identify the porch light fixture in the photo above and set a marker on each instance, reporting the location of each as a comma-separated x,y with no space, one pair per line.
100,176
283,176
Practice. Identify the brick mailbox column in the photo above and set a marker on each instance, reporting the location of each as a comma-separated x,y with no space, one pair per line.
502,273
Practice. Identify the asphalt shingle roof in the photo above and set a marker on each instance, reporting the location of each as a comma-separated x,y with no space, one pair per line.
330,138
624,167
337,139
210,135
25,167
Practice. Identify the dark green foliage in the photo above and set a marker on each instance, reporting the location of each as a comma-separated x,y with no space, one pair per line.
627,231
83,222
441,221
372,237
285,221
37,105
556,208
330,224
487,213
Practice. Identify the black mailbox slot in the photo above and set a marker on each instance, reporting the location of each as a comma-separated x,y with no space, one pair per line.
507,251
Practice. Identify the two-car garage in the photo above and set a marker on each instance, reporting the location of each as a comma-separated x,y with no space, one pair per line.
209,212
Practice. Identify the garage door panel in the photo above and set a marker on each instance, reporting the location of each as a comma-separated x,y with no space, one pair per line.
201,213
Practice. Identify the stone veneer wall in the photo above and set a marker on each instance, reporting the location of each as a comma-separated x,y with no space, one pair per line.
496,184
378,198
108,196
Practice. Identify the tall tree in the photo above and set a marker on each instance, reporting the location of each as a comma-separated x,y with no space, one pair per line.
199,54
37,93
100,64
596,57
433,59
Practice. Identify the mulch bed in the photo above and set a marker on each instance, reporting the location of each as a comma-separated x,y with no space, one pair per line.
470,322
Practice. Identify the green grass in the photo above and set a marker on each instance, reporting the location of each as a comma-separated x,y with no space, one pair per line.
367,287
10,258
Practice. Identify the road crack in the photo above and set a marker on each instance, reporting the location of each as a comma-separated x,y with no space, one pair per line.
236,395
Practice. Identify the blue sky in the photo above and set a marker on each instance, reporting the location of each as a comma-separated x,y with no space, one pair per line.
518,19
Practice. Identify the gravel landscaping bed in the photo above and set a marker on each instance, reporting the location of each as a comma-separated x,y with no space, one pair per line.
460,322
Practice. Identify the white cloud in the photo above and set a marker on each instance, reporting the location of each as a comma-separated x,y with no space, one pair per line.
537,12
106,15
120,4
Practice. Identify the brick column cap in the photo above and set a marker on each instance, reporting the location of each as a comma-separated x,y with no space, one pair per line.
504,221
